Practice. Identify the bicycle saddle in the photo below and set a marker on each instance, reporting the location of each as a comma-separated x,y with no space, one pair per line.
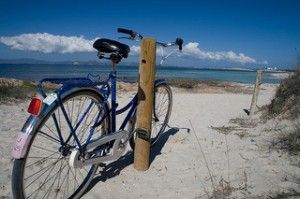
111,46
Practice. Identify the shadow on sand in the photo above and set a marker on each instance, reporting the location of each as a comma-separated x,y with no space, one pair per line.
113,169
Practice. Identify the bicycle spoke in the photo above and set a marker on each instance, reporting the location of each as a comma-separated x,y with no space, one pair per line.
50,188
45,135
87,126
59,188
44,182
80,173
42,148
74,175
68,110
37,190
81,107
72,111
82,131
75,180
59,122
51,131
42,158
76,120
58,181
160,104
47,168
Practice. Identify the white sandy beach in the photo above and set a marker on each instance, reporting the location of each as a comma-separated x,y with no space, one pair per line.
202,163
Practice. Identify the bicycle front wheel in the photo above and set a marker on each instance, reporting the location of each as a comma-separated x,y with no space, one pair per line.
45,171
162,107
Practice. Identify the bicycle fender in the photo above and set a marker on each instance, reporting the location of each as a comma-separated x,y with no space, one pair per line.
24,137
159,81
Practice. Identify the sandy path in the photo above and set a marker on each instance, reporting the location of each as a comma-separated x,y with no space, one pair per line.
180,168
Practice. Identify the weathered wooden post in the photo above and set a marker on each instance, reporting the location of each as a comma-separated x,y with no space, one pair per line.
145,103
255,93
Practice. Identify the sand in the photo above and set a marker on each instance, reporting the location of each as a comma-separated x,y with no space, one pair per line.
204,162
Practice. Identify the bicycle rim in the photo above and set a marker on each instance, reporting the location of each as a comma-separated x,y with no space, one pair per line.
161,112
162,108
45,172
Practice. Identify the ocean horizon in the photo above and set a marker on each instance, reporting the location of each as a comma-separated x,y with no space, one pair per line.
37,72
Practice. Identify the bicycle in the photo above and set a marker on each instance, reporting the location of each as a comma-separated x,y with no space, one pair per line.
73,130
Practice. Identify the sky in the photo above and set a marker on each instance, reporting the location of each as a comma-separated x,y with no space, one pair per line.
216,33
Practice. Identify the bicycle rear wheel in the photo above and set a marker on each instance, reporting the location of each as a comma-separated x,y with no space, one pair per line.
45,171
161,113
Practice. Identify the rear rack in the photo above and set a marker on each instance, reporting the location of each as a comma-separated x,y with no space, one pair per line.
68,83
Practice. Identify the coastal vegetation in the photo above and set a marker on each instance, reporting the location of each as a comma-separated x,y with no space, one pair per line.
15,90
287,97
286,105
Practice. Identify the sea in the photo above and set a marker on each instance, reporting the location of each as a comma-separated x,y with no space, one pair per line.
130,73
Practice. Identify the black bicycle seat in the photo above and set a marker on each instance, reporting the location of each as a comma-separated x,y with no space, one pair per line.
111,46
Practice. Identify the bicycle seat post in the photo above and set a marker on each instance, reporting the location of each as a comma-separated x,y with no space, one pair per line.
113,94
113,64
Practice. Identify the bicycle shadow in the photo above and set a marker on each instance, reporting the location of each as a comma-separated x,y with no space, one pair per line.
113,169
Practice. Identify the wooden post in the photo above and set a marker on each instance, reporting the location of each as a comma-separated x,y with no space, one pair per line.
255,93
145,103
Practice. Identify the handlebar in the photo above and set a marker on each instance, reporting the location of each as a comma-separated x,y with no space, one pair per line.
125,31
133,35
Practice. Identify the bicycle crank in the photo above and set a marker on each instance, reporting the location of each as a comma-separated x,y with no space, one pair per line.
119,138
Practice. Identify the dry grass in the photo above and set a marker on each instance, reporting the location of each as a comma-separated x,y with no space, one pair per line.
287,98
12,90
223,190
282,195
226,129
209,86
15,90
288,141
286,104
244,123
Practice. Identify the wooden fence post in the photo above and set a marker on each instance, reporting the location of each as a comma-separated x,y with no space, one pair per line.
255,93
145,103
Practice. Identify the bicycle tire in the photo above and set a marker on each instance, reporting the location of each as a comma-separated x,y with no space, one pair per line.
20,188
157,128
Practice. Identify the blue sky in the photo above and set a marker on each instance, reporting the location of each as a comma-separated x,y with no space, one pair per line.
216,33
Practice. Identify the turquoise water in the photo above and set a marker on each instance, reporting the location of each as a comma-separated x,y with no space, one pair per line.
128,73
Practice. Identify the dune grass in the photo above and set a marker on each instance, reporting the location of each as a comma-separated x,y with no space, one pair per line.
16,93
12,90
287,97
289,141
286,104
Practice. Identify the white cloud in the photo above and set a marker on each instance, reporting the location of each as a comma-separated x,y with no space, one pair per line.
135,50
192,49
48,43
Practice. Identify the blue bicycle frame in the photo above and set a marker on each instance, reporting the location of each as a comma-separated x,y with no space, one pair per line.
69,85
